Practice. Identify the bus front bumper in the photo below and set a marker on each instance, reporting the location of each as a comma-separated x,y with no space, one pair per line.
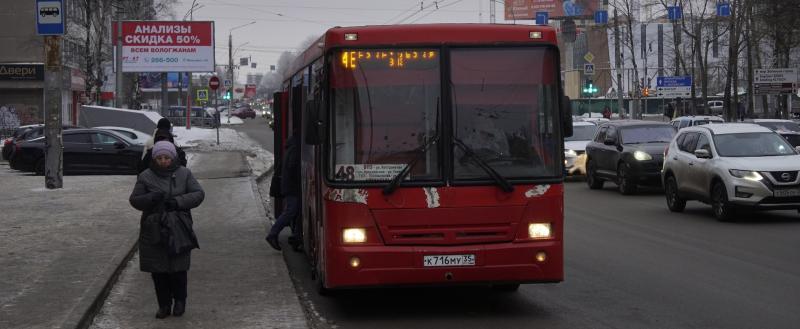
500,263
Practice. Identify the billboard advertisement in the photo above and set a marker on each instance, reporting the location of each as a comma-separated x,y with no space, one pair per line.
152,81
527,9
163,46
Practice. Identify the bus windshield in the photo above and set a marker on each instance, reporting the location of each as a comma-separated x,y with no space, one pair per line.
386,107
505,109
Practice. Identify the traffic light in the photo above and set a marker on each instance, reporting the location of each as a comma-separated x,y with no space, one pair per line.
589,88
227,95
646,92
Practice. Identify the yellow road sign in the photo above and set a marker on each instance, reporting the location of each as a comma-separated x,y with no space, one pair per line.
589,57
202,94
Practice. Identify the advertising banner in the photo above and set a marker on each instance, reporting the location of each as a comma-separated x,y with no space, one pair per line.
527,9
163,46
151,82
250,91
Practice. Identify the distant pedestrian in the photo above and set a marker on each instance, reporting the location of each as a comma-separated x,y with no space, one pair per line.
163,125
165,189
607,112
669,112
290,190
163,132
740,111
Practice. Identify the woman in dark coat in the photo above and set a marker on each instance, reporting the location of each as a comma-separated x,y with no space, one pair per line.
165,186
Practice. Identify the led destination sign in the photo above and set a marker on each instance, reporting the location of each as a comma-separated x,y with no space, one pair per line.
396,58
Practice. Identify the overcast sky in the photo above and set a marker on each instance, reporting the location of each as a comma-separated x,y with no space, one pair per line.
284,25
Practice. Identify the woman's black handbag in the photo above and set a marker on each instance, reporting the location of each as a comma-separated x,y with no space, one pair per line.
180,235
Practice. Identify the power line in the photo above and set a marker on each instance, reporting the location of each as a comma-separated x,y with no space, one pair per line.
436,10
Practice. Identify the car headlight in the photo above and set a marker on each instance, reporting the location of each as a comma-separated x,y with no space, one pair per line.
642,155
354,235
570,153
746,174
539,231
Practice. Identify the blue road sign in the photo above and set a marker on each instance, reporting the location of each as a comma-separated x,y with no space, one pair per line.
683,81
50,17
542,17
723,9
601,17
674,13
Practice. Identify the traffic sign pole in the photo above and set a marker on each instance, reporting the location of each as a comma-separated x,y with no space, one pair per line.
50,24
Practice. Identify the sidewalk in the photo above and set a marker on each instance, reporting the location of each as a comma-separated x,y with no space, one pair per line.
59,250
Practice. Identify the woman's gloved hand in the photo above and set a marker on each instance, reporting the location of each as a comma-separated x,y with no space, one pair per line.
171,205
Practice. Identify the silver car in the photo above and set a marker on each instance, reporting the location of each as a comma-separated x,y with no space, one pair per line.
732,165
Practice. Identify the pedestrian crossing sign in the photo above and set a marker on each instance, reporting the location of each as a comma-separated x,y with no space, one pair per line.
588,69
202,95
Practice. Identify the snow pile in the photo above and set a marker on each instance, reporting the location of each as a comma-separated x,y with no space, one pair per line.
234,120
205,140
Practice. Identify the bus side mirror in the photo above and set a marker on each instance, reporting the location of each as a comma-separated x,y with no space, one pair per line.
566,116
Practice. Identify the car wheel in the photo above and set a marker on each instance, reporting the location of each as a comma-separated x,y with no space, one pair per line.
591,176
674,202
625,182
719,203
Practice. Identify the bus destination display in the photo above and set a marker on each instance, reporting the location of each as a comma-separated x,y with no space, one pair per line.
397,58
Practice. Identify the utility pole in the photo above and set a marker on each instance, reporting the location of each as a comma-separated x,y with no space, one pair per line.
118,91
230,74
164,94
54,155
618,64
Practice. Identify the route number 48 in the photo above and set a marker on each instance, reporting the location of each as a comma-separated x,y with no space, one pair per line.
346,173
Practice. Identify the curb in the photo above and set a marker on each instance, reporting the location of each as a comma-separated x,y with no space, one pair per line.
99,290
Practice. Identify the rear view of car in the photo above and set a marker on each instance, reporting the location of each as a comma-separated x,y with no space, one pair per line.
731,166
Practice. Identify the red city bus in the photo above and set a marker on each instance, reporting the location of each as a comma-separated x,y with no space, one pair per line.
431,154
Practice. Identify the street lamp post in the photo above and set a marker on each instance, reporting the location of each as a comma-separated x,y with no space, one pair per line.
230,64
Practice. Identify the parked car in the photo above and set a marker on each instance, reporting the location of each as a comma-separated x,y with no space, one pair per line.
25,133
199,116
731,166
8,146
715,107
627,152
575,147
787,128
86,151
134,135
695,120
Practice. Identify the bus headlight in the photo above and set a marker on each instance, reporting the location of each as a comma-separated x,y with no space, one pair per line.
539,231
354,235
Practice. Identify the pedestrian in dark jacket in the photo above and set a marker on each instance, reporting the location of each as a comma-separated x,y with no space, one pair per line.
164,187
161,135
290,189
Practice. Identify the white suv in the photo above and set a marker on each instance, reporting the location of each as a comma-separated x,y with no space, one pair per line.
731,165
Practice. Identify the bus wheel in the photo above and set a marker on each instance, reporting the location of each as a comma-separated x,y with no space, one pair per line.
318,273
512,287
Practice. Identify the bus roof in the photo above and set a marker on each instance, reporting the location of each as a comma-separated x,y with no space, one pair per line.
423,34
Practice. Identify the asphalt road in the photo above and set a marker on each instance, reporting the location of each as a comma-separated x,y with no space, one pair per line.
258,130
629,263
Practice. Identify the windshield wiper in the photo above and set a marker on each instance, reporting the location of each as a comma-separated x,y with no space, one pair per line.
502,182
420,152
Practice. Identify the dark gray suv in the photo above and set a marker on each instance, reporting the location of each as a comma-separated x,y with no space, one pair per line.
628,153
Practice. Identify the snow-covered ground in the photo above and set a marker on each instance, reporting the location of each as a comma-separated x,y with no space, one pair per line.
205,140
233,120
